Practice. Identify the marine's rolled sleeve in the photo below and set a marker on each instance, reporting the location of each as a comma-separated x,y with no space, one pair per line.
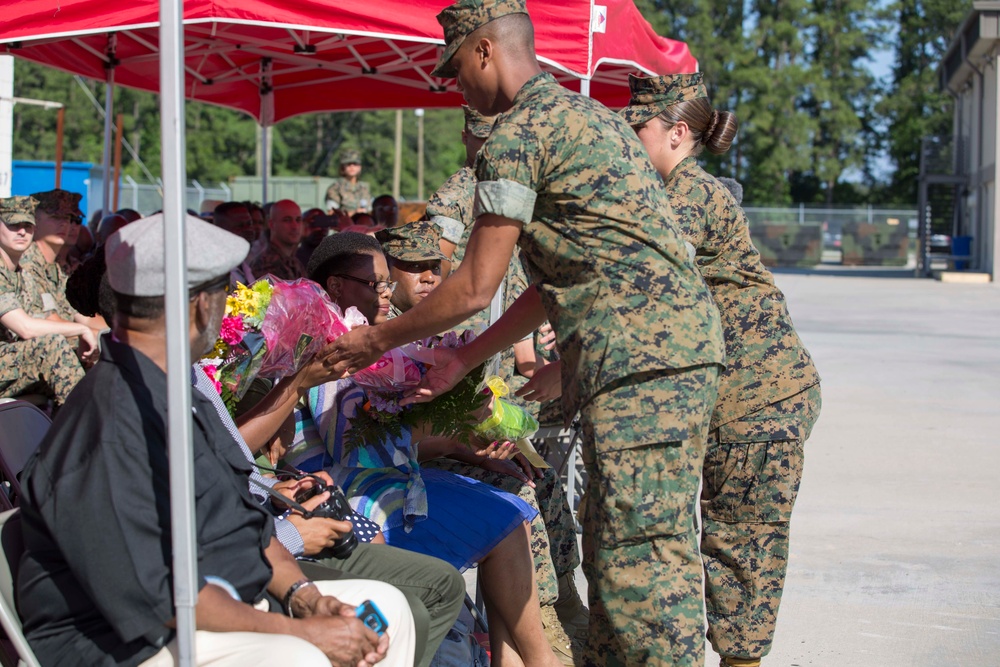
451,229
505,198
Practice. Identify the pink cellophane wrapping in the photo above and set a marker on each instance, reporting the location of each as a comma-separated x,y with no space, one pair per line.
394,370
300,320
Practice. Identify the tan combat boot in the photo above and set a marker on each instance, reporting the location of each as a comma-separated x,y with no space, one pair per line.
740,662
558,639
574,616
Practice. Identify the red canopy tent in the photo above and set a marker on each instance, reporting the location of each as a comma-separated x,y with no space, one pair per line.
314,55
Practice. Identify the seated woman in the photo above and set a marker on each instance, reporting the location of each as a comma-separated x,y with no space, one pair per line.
428,511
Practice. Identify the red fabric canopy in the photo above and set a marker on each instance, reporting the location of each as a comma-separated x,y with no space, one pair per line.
314,55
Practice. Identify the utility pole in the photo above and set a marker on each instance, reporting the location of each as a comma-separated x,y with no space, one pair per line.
420,153
397,165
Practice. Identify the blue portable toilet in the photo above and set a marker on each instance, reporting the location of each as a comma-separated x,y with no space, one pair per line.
32,176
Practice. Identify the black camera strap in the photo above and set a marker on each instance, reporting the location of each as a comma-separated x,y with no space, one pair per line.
293,473
284,500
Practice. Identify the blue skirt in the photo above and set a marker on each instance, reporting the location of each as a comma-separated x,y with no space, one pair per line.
465,519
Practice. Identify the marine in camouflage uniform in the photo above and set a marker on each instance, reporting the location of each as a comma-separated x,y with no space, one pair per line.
639,338
769,399
347,196
47,280
450,208
273,261
45,364
553,534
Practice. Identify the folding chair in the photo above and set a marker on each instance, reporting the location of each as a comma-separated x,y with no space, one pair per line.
561,448
22,427
14,649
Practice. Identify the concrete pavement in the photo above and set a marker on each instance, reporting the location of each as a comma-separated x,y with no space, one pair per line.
895,557
896,534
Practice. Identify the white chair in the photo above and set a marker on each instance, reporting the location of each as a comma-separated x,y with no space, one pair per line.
14,650
22,427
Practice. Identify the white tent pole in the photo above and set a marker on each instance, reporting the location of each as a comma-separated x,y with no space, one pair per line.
172,140
585,87
266,120
109,102
265,164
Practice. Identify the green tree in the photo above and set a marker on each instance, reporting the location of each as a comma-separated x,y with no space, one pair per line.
718,23
841,94
915,107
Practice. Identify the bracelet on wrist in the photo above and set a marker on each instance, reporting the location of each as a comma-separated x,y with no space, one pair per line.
286,603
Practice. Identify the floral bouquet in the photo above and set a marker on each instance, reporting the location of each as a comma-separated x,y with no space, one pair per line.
449,414
506,421
271,329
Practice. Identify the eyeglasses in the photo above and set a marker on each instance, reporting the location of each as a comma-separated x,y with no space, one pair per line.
378,285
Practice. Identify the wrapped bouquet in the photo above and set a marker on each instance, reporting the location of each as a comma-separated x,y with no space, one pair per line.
271,329
450,414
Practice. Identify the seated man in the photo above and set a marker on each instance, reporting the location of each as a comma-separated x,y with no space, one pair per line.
35,356
235,218
434,589
414,258
317,226
109,601
57,210
284,221
385,210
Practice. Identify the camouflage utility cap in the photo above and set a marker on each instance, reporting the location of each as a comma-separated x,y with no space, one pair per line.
465,17
653,94
350,156
413,242
476,123
17,210
58,203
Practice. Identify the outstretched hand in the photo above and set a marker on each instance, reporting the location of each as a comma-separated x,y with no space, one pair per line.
322,368
353,351
447,371
544,385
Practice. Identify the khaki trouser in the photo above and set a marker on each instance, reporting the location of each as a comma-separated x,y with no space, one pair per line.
249,649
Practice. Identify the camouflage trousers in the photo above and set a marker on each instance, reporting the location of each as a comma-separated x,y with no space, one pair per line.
751,479
643,445
43,365
553,535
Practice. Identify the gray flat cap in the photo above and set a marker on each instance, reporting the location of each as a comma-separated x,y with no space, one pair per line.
135,255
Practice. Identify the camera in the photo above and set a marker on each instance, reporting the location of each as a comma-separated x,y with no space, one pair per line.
334,507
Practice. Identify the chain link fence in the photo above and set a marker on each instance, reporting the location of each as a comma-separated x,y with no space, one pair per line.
833,219
148,197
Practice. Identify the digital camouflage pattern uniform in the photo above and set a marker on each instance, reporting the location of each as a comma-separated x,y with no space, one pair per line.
639,339
450,208
45,364
344,195
47,281
769,399
274,262
553,534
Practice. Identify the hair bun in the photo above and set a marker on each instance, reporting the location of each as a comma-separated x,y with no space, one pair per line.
711,127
